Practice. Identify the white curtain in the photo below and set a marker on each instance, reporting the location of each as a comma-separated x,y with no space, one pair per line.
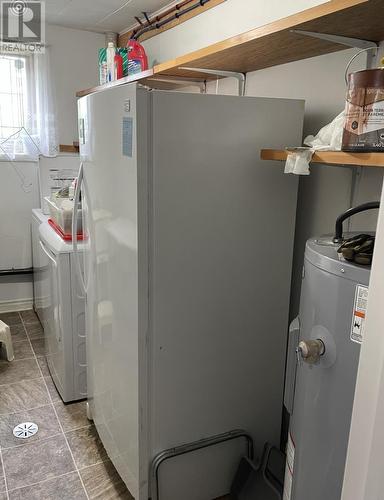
42,114
28,119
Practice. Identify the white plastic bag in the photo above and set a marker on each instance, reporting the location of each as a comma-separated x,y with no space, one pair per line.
329,137
298,161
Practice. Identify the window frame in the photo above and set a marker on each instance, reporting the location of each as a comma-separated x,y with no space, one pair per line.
28,109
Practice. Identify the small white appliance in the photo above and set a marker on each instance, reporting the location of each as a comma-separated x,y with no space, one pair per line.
60,306
187,269
58,300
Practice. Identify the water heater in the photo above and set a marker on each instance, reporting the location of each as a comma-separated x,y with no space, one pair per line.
323,355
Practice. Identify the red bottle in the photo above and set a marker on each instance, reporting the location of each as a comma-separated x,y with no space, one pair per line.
118,60
137,58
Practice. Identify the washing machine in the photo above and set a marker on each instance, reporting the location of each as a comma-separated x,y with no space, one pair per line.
323,356
61,309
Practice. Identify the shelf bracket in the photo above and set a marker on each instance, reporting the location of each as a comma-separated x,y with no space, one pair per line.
356,43
182,81
240,77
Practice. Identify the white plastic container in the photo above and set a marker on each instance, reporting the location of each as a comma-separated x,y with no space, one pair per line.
55,174
62,216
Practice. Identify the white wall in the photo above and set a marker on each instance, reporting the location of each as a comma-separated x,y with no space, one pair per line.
16,204
74,66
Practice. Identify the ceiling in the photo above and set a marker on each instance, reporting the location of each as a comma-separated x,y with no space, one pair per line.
99,15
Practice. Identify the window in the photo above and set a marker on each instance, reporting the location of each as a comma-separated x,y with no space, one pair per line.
13,102
27,117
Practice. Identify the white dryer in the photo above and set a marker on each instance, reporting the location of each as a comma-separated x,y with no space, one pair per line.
62,315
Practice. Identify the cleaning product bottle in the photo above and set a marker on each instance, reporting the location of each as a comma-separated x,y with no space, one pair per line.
102,66
137,58
110,62
118,61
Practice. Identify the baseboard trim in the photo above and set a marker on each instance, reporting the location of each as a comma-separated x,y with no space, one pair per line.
15,305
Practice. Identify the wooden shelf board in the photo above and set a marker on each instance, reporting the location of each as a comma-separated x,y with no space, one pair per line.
331,157
68,148
275,44
139,77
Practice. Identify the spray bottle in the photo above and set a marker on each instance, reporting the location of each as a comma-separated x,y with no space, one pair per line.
111,62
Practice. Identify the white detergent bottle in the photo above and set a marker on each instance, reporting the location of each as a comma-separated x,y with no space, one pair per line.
110,62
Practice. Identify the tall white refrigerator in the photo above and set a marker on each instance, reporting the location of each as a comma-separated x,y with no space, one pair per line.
187,273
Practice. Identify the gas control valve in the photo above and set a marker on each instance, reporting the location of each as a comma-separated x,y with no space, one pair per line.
310,351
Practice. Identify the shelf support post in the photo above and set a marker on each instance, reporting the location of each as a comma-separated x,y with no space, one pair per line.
240,77
356,43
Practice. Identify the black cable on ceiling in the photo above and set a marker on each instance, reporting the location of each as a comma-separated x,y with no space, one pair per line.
176,16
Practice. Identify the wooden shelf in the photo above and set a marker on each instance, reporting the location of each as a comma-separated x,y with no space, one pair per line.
69,148
274,43
139,77
331,157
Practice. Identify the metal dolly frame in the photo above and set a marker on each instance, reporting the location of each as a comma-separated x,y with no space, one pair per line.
195,445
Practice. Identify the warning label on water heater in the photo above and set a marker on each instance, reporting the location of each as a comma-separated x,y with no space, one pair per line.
289,465
359,312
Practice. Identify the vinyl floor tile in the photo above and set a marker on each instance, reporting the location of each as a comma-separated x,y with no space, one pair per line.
42,467
35,462
86,446
34,330
29,316
42,362
52,389
102,482
44,417
11,318
18,332
66,487
22,350
18,370
72,416
38,346
23,396
2,480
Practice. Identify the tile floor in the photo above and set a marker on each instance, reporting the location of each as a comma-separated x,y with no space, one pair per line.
65,460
